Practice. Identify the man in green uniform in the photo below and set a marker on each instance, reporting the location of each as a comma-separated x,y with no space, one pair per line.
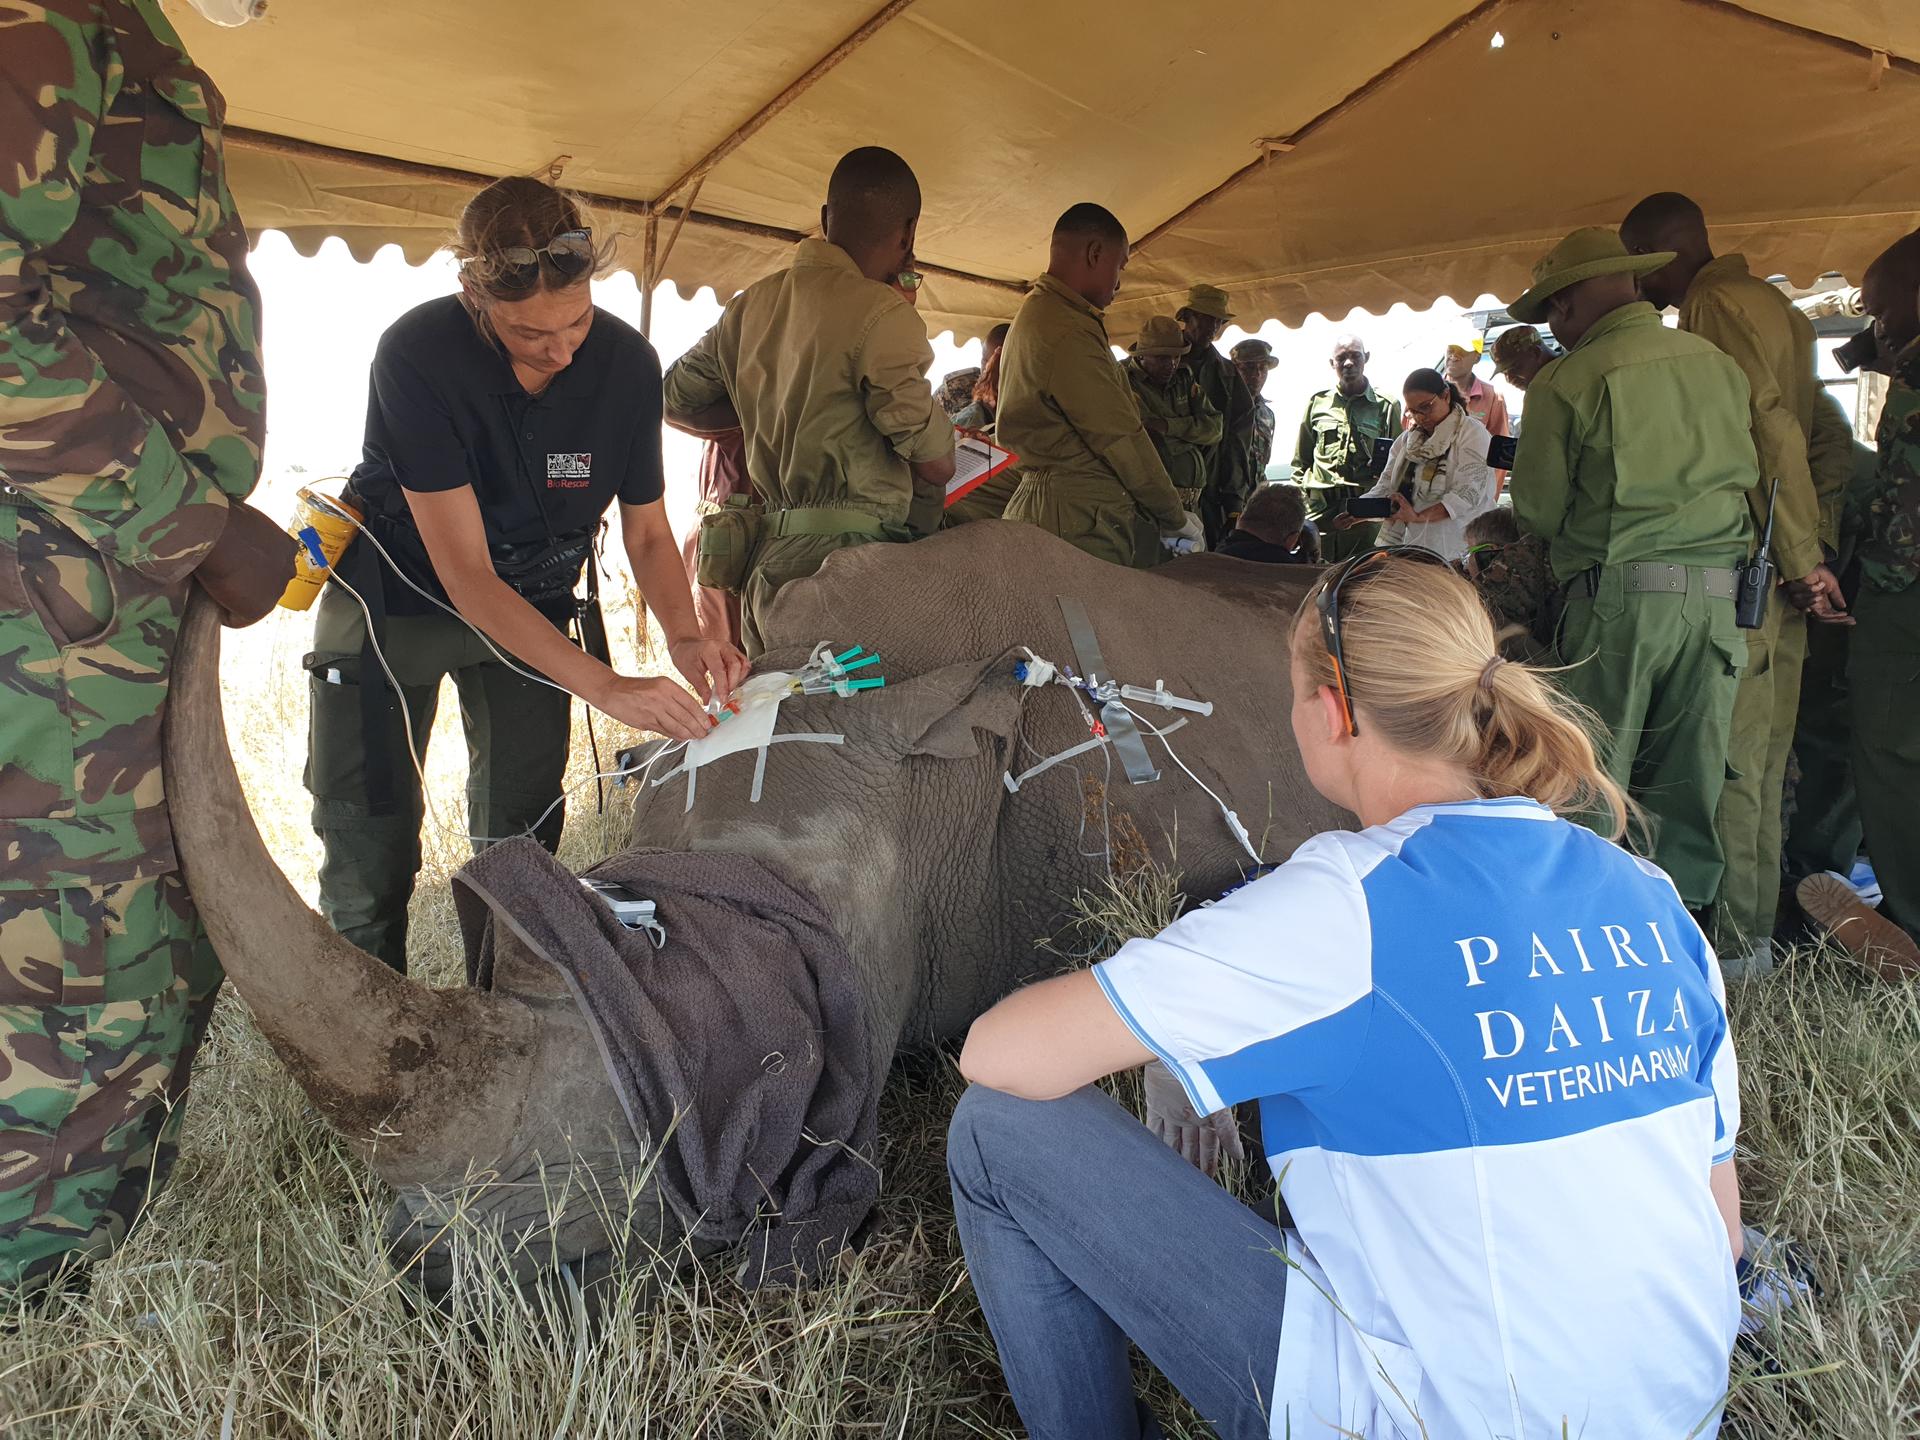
1763,333
825,366
1333,455
1255,360
1634,465
132,408
1179,418
1202,318
1883,671
1088,470
1823,821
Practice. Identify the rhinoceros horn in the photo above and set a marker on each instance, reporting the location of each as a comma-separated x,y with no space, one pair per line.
425,1083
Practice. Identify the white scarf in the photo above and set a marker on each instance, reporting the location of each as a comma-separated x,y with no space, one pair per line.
1432,447
229,12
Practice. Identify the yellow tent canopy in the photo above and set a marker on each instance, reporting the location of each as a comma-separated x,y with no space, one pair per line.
1306,155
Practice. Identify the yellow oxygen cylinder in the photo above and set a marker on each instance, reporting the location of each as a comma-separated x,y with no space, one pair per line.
323,526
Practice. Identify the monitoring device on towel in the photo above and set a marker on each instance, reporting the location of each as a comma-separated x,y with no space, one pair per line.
629,908
1754,580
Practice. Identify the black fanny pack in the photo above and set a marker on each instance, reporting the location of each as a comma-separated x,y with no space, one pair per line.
543,572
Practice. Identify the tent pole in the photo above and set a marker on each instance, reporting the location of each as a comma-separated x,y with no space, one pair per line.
650,274
693,199
767,112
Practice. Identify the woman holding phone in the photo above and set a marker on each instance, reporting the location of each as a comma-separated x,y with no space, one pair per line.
1437,478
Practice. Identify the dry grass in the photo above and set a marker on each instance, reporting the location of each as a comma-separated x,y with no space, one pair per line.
257,1301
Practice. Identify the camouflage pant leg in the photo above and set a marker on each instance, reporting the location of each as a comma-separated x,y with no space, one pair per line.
105,992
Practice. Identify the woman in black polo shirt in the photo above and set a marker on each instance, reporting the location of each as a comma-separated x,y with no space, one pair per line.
503,423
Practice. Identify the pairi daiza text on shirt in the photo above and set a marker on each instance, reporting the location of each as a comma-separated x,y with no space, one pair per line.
1503,1034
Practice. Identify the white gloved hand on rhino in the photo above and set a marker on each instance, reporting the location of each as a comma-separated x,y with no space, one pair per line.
1201,1140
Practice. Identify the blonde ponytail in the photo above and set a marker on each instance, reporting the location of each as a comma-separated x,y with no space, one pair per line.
1423,670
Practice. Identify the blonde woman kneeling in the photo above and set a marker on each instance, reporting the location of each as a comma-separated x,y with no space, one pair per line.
1495,1083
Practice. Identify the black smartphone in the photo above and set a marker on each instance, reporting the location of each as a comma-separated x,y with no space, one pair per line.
1501,452
1862,350
1377,461
1370,507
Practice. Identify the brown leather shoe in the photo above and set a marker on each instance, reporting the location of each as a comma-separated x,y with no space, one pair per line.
1882,946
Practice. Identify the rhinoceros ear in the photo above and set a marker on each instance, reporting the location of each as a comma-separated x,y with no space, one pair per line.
939,713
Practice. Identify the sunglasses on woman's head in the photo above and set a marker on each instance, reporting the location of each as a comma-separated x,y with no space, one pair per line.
569,254
1327,602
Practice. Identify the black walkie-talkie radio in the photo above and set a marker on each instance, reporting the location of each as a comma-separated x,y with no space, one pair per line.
1753,581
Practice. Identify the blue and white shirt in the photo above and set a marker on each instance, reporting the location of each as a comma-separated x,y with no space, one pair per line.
1491,1054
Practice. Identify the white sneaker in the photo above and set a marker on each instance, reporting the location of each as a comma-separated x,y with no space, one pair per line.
1751,966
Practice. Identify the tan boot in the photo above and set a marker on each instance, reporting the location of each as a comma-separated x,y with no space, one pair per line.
1868,935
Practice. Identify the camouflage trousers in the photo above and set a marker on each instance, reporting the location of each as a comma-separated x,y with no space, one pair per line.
106,978
105,993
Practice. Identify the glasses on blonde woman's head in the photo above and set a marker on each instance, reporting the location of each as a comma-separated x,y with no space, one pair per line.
1341,579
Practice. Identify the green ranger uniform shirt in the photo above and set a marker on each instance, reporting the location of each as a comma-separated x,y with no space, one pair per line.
1889,504
1220,381
1638,447
1259,444
827,371
1765,334
132,405
1335,446
1087,467
1190,427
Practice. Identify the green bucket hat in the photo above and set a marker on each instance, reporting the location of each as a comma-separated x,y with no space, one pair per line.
1581,256
1208,300
1254,352
1161,335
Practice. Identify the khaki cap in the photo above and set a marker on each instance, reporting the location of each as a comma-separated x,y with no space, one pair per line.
1254,352
1161,335
1208,300
1581,256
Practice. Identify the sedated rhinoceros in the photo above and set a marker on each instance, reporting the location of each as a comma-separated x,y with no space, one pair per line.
939,880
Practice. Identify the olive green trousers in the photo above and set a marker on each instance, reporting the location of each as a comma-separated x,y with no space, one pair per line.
1097,516
1660,672
368,816
1766,710
1823,828
1883,679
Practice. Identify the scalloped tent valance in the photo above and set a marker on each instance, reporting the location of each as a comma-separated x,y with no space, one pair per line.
1306,157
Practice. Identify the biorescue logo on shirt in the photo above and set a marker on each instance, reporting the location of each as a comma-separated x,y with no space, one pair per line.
571,470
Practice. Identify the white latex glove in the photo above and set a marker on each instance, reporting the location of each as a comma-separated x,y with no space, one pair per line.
1199,1140
1193,530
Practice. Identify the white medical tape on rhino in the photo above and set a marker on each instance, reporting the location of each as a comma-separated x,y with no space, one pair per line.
1014,782
756,711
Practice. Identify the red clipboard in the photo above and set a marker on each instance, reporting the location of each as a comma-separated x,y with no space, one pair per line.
976,460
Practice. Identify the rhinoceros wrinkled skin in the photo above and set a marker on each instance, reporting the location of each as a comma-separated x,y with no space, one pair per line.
940,881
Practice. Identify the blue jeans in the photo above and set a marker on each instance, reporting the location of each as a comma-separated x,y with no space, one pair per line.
1081,1230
